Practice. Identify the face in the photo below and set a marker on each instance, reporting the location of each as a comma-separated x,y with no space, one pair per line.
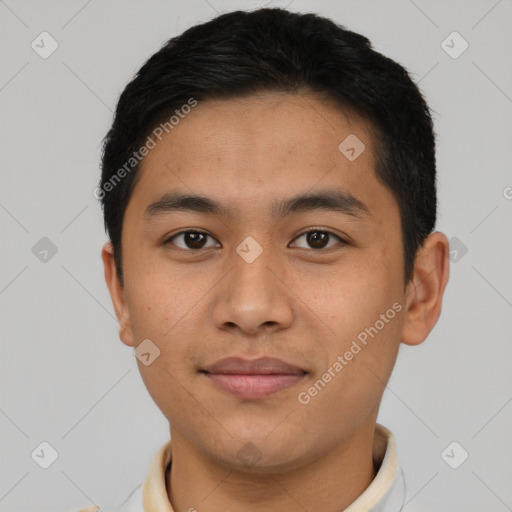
294,253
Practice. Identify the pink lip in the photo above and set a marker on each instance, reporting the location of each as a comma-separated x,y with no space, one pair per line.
253,379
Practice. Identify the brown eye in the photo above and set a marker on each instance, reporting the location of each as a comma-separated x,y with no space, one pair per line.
192,240
318,239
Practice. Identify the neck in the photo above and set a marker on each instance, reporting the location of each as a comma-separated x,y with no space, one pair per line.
330,483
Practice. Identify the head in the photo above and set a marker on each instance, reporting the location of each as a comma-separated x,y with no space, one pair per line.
269,189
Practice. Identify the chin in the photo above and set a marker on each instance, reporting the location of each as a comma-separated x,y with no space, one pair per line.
261,455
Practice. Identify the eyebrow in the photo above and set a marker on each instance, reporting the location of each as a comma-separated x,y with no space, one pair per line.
329,200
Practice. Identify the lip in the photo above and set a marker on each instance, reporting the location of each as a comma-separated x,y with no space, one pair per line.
253,379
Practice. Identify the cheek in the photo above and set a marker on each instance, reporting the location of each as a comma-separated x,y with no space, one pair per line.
360,359
160,303
162,312
360,315
348,297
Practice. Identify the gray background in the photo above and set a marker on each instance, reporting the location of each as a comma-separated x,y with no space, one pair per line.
65,377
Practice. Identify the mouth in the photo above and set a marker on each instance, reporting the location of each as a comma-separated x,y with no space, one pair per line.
253,379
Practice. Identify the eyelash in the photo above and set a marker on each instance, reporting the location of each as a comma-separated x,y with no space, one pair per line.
314,230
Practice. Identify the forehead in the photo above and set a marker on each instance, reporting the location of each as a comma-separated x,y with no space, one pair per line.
273,145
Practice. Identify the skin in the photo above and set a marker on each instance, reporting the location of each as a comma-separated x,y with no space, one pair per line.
301,304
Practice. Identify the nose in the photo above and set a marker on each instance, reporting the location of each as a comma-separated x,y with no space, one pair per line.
253,297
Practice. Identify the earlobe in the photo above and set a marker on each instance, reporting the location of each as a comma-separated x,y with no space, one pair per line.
426,289
117,295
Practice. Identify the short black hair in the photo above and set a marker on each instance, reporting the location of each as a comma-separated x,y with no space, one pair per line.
242,53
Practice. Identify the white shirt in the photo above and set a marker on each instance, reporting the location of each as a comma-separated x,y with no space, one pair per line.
386,493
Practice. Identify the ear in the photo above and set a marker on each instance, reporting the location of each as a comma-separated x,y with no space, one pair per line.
424,295
117,295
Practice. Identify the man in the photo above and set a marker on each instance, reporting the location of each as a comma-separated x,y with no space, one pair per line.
268,187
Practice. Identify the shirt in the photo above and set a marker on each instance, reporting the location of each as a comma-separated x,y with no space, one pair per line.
386,493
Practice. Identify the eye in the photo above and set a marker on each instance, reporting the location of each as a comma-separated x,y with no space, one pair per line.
191,240
318,239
